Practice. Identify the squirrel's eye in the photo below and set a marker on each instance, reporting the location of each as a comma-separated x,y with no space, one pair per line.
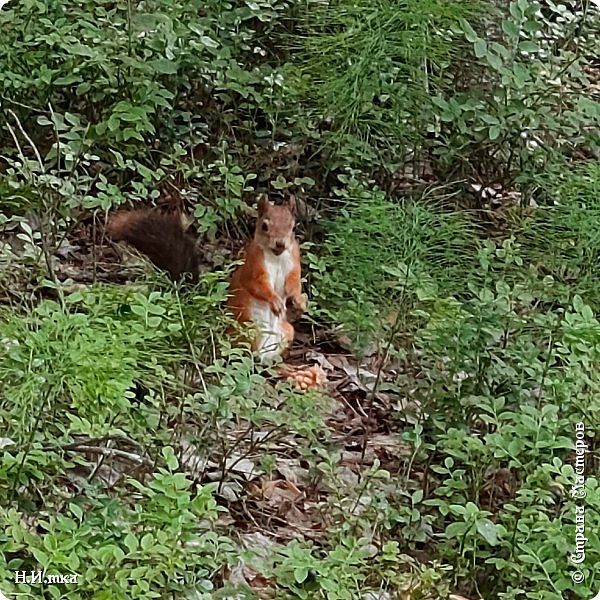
265,227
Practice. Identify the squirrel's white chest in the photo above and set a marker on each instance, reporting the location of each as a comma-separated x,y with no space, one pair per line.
278,268
271,332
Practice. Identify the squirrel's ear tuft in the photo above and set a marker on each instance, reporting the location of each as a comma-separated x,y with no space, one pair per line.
263,205
292,204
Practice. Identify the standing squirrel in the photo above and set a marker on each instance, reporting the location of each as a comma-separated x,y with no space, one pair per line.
269,280
261,288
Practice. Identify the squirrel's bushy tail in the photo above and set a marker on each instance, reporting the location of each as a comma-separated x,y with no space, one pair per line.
161,237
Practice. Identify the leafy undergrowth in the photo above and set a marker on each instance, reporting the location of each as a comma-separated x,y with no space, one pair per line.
495,370
438,459
444,156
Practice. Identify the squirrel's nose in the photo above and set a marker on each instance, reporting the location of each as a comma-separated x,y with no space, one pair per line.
280,246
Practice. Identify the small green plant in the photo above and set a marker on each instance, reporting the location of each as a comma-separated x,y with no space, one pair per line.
379,257
354,567
79,363
123,94
504,385
141,547
371,69
570,220
228,184
532,108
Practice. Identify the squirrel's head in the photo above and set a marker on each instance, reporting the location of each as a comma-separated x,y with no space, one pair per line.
275,225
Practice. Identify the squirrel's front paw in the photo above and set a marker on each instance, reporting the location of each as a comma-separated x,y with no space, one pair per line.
296,307
302,302
298,303
278,306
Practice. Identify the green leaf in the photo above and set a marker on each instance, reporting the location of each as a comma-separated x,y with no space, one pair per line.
83,88
521,74
76,510
147,542
588,314
138,310
329,585
550,565
489,119
417,496
114,122
470,33
67,80
208,42
155,309
440,102
41,557
480,48
494,132
139,572
528,46
510,28
81,50
131,542
118,554
502,51
132,133
589,107
164,66
300,574
457,509
170,458
528,559
74,562
515,447
455,530
515,11
494,61
487,529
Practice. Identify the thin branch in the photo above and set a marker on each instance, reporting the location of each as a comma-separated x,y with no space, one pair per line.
112,453
33,146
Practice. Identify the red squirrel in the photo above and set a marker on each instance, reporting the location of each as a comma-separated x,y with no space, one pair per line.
261,288
269,279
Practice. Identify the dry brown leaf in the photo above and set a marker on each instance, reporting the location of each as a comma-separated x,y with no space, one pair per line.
278,492
362,378
291,470
356,459
348,477
295,517
379,595
238,464
245,574
231,490
320,359
392,443
193,462
261,545
346,343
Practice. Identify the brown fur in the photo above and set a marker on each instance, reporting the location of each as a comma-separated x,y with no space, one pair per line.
160,237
